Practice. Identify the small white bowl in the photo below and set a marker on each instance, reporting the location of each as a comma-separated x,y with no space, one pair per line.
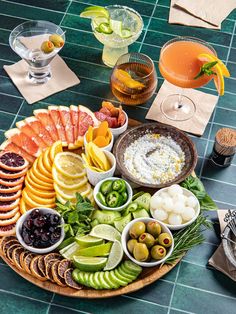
33,249
125,237
94,177
107,148
178,227
118,131
97,188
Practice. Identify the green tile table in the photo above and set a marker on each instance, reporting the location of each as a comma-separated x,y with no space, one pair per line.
192,286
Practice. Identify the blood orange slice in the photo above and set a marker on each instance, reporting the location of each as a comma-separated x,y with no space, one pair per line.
6,231
11,182
9,205
12,161
44,117
74,112
23,141
67,123
9,146
9,196
10,189
25,128
9,214
10,221
55,115
8,174
39,129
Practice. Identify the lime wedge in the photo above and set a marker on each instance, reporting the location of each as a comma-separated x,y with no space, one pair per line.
89,263
115,256
70,250
94,12
106,232
105,28
87,241
97,250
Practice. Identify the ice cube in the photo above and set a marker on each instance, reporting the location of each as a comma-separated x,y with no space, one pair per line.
127,19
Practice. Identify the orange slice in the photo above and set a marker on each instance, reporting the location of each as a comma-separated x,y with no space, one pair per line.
40,193
40,200
89,135
43,169
126,79
38,181
23,206
31,203
35,170
46,160
31,182
205,57
55,149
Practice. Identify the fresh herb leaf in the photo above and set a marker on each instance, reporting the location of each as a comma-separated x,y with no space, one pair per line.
73,217
79,198
207,203
206,69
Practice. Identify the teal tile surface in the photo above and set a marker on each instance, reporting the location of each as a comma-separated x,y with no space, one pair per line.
193,286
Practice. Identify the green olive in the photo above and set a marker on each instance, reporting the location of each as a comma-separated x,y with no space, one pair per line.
141,252
147,238
130,245
137,229
154,228
158,252
165,239
47,46
57,40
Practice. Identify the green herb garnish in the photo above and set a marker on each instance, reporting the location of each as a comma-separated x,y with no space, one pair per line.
194,185
77,217
189,237
206,69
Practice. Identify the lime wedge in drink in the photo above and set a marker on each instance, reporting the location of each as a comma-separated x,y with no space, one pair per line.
115,256
117,27
94,12
97,250
89,263
106,232
87,240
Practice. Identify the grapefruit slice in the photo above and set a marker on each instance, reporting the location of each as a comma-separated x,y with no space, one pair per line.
7,174
39,129
12,161
9,146
10,221
74,112
6,231
10,189
26,129
9,205
67,123
44,117
9,214
90,113
86,118
22,140
55,115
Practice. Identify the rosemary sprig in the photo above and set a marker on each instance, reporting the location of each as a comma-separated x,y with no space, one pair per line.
206,69
189,237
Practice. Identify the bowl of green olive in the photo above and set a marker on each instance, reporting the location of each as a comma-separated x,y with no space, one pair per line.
147,242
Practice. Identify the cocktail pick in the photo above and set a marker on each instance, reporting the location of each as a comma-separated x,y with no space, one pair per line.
230,218
226,238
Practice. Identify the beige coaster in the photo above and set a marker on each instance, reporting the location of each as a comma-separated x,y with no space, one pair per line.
178,15
205,104
218,259
211,11
62,76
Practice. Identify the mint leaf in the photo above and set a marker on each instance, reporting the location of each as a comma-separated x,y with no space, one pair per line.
206,69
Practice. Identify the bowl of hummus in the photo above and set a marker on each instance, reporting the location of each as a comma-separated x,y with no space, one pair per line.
155,155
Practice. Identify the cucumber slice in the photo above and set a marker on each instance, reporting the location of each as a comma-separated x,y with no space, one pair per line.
125,274
92,281
136,269
140,213
127,271
75,275
121,222
118,275
116,279
106,216
143,201
103,282
111,282
97,280
86,278
81,278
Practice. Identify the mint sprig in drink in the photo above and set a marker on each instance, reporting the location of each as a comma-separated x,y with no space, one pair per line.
116,27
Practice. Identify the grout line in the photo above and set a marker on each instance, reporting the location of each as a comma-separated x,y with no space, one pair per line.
70,308
14,120
225,203
32,6
173,290
50,303
22,296
182,311
65,12
220,181
144,301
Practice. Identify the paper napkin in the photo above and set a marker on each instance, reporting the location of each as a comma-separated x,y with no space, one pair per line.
205,104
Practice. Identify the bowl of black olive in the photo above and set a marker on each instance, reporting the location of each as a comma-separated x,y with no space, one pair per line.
40,230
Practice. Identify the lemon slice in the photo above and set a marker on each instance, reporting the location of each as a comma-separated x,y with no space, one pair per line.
70,194
68,183
70,165
205,57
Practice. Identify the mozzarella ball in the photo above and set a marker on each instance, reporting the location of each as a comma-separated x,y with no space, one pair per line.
175,219
174,190
167,204
191,201
160,214
188,213
178,207
156,202
180,198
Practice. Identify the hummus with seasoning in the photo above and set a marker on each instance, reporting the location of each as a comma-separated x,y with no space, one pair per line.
154,159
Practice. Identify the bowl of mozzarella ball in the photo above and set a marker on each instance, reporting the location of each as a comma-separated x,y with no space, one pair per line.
175,206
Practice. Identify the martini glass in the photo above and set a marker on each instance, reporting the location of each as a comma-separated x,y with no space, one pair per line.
179,65
26,40
115,45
